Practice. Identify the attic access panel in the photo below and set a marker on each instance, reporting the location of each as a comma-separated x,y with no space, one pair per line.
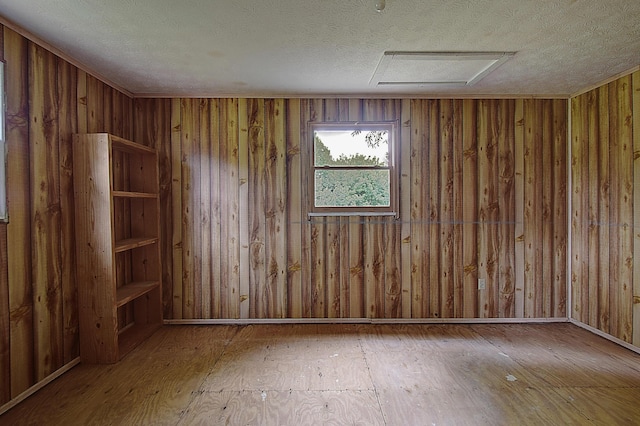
437,68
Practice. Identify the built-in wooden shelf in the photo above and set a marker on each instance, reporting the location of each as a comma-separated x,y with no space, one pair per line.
130,194
124,145
131,243
133,290
117,245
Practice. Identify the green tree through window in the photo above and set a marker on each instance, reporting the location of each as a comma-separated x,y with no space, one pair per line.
353,169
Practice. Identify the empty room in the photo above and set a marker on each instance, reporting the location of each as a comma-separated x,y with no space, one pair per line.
294,212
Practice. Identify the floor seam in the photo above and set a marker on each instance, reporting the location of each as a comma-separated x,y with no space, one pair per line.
198,389
375,388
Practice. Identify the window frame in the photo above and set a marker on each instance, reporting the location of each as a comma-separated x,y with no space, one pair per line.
391,127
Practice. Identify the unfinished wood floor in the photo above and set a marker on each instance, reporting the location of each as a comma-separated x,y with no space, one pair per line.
551,374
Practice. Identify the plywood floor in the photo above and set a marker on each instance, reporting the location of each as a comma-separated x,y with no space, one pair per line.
551,374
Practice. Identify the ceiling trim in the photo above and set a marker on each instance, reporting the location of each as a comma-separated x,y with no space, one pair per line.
606,81
349,96
37,40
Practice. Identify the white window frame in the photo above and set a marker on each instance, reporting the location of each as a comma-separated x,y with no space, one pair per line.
393,141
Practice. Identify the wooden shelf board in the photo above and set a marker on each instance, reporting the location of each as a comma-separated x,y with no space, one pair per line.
133,290
132,147
134,335
132,194
131,243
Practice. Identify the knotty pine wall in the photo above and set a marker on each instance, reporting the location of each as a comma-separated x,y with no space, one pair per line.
47,101
483,195
605,208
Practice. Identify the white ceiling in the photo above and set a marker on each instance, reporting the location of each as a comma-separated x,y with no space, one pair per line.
255,48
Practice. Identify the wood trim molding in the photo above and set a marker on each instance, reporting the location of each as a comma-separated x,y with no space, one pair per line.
607,81
41,384
604,335
37,40
416,321
436,96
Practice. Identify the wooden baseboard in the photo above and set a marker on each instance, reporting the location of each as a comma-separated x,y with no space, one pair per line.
35,388
609,337
259,321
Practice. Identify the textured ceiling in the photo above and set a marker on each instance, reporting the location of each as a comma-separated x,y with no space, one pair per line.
332,47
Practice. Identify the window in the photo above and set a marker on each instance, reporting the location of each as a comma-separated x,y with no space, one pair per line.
4,217
353,170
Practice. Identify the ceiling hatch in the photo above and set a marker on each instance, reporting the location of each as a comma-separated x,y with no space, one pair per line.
436,68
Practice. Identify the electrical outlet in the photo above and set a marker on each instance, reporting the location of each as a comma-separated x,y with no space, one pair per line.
481,284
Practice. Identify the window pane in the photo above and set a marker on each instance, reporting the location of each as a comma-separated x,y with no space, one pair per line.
352,188
351,148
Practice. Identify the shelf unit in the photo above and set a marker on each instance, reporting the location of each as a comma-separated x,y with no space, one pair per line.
117,211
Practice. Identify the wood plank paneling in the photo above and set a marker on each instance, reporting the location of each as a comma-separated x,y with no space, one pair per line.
295,274
519,267
559,207
67,125
636,205
506,208
257,237
45,213
470,208
275,202
624,134
5,324
605,208
176,211
47,101
483,194
5,314
243,206
205,216
465,168
153,125
19,204
431,200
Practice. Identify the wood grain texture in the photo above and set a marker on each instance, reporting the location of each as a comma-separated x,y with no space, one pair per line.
635,84
351,374
603,186
19,204
176,204
604,208
559,207
96,302
67,125
5,325
47,101
117,309
459,172
243,207
519,250
46,213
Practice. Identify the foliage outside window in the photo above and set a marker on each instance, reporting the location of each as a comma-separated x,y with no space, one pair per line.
353,170
4,216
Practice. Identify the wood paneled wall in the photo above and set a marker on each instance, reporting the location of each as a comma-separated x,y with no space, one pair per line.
483,195
605,208
47,101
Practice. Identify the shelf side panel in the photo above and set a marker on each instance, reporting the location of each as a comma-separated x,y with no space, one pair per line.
94,249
